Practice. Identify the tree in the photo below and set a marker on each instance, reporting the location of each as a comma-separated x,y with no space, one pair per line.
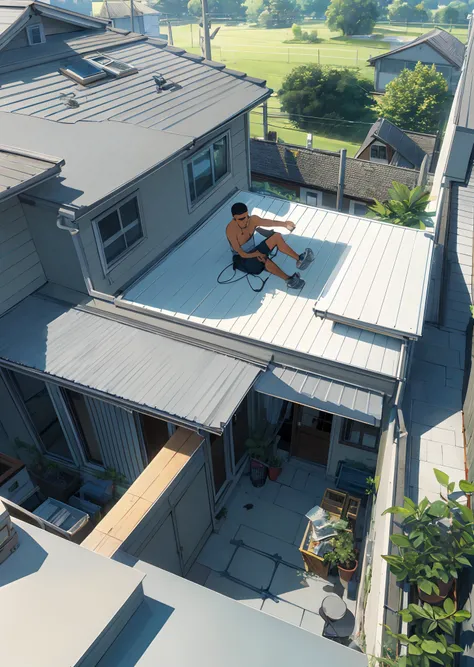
254,9
402,11
279,14
455,12
352,17
415,99
172,7
321,91
430,4
315,8
403,207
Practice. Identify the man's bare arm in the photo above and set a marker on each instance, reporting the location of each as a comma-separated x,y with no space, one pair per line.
263,222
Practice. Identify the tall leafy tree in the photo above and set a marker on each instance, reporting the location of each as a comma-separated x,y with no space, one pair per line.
319,91
172,7
313,7
279,14
415,99
254,9
455,12
352,17
403,11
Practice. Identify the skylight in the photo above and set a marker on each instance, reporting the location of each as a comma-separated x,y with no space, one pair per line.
83,71
114,67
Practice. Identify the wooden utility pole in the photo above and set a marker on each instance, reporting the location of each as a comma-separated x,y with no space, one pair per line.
206,45
265,120
341,179
170,34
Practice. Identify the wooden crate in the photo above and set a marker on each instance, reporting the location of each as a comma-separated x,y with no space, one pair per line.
312,562
351,509
334,502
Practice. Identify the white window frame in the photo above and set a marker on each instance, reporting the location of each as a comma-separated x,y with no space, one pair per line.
377,159
216,184
107,268
304,192
352,205
29,30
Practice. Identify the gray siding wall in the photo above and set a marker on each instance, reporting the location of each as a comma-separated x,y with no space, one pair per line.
423,53
55,248
165,214
21,272
50,26
12,423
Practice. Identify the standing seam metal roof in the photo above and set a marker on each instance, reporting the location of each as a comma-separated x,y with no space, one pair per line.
443,42
397,139
178,380
20,171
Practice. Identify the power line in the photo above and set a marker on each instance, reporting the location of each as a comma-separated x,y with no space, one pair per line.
303,117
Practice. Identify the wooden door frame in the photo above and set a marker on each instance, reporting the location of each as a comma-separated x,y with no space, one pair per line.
296,412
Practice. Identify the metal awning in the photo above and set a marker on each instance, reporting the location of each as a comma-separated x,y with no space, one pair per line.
113,361
320,393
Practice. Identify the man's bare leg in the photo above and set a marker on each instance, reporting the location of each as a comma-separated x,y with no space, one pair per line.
278,241
274,269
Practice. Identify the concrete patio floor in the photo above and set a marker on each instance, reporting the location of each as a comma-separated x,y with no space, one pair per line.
254,556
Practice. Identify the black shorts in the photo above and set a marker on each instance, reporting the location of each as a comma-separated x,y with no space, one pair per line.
253,265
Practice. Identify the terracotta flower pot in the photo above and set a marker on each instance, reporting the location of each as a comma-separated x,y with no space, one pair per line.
346,575
444,590
274,473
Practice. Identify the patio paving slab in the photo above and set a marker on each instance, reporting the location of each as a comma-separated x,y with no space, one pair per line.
301,531
252,568
228,529
299,480
270,491
293,500
284,611
270,545
220,584
303,591
199,574
312,622
216,553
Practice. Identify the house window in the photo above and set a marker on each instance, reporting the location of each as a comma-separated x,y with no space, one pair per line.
43,416
378,152
311,197
35,34
80,413
356,208
207,167
119,230
357,434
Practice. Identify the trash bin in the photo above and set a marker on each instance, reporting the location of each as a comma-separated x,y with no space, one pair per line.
258,473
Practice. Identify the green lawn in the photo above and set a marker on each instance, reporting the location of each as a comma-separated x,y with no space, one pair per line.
264,53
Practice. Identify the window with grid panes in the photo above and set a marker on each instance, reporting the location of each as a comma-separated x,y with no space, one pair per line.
207,167
119,230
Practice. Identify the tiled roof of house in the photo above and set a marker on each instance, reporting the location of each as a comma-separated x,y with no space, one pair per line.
117,9
320,169
447,45
20,171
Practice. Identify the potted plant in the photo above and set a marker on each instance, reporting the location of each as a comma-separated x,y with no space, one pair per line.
258,453
343,555
53,480
274,468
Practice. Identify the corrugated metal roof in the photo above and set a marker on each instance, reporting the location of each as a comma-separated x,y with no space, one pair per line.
320,169
177,380
447,45
321,393
20,171
184,287
396,138
10,13
117,9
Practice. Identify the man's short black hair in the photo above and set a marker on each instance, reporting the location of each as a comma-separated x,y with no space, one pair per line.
238,208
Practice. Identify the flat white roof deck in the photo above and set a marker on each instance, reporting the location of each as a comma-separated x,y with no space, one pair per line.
370,273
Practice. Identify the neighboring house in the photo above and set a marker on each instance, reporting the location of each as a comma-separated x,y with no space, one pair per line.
120,348
311,176
386,143
146,20
436,47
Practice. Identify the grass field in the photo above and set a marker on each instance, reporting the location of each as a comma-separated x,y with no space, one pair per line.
265,54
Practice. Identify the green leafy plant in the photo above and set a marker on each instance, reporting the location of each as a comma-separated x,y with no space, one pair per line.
257,449
404,207
343,552
435,619
275,462
372,485
437,537
423,649
40,465
115,477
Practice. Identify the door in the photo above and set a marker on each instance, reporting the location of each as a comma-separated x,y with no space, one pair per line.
155,435
193,517
311,434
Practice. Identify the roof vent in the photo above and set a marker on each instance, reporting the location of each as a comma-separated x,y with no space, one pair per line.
162,84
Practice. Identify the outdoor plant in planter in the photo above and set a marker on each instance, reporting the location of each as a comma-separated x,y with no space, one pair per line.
436,540
343,555
258,453
274,468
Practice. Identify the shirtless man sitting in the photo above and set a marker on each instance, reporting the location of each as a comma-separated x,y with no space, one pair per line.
252,258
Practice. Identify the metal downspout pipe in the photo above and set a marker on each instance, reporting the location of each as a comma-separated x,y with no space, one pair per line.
65,221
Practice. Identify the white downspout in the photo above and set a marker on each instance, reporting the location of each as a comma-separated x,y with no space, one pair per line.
65,221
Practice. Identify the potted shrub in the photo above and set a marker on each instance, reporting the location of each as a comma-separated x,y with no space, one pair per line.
257,450
53,480
343,555
274,468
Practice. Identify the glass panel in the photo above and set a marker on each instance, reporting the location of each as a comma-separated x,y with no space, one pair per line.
369,439
218,461
360,209
109,226
202,173
312,200
81,416
155,435
133,234
192,190
43,415
240,430
220,158
129,212
115,249
351,432
83,68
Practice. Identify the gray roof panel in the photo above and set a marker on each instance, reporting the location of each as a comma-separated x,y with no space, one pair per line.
179,381
320,169
321,393
465,95
447,45
392,135
20,171
117,9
